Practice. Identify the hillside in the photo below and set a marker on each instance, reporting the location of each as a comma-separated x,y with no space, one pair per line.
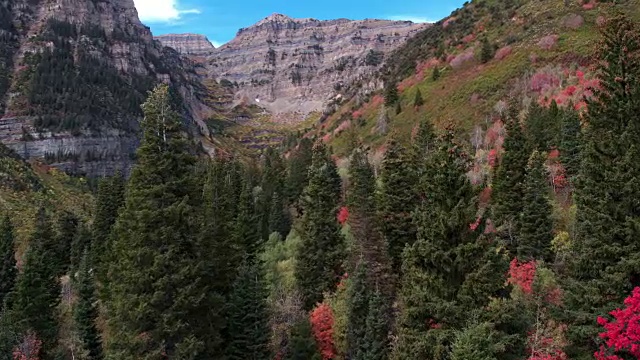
535,51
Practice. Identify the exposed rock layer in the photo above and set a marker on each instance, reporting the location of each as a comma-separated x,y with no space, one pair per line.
187,44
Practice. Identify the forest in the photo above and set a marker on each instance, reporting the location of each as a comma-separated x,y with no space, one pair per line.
293,257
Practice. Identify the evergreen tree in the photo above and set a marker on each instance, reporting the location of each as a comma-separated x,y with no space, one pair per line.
605,260
66,228
109,200
487,50
450,270
378,327
246,230
358,309
159,298
477,342
424,143
570,142
398,108
8,270
390,94
279,220
536,224
508,184
543,126
247,316
81,244
298,170
303,345
37,292
272,180
418,101
435,75
397,200
86,312
319,259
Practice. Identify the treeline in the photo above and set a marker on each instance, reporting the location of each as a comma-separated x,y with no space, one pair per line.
294,258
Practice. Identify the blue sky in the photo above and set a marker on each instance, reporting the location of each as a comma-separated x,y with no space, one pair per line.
219,20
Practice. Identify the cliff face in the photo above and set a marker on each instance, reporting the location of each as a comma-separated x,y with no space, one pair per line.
296,65
75,73
187,44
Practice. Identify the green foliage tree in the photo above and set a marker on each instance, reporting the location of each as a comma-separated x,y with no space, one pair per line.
391,96
298,170
358,309
418,100
397,200
487,50
66,228
605,257
159,298
246,232
536,224
8,270
570,142
81,243
378,327
476,342
543,126
398,108
247,315
435,75
319,259
37,292
85,311
109,200
451,269
303,345
279,219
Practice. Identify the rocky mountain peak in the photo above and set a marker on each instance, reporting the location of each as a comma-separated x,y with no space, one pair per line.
275,17
187,44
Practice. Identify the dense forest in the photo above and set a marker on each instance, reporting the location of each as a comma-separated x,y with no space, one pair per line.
290,257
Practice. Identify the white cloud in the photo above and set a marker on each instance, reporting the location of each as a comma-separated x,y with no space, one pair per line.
155,11
412,18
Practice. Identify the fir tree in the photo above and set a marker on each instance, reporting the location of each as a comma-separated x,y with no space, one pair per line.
298,170
508,184
279,220
378,327
358,309
450,269
418,101
303,345
390,94
605,260
37,292
81,244
8,270
486,51
159,298
66,228
423,143
536,224
86,312
319,259
570,142
543,126
109,200
397,200
435,75
246,230
247,316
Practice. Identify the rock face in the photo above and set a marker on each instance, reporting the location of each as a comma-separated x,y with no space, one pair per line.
187,44
296,65
73,74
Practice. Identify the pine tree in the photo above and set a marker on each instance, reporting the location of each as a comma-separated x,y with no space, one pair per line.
542,126
279,220
8,270
536,224
418,100
378,327
247,316
397,200
486,51
246,233
319,259
81,243
508,184
86,312
66,228
109,200
358,309
273,171
450,269
424,143
37,292
570,142
435,75
605,257
298,170
390,94
303,345
159,299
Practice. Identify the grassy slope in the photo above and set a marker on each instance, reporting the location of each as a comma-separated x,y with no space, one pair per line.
449,99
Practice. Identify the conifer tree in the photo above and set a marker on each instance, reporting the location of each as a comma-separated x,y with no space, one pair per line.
508,183
542,126
37,292
390,94
246,233
605,257
66,228
435,75
378,327
358,309
8,270
279,220
319,259
298,170
536,224
570,142
418,100
397,200
109,200
398,108
450,269
424,142
247,315
486,51
159,298
81,244
303,345
85,311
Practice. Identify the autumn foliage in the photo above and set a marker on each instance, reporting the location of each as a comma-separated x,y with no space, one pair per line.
322,327
622,334
343,215
28,349
522,274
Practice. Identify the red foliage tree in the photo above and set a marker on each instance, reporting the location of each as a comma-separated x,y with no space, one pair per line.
322,328
522,275
343,215
28,349
622,335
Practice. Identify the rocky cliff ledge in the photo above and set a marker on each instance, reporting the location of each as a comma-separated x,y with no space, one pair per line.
187,44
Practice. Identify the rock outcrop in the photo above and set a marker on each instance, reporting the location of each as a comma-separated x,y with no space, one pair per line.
187,44
73,74
296,65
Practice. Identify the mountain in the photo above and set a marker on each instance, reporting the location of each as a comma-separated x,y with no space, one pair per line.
73,76
288,65
187,44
